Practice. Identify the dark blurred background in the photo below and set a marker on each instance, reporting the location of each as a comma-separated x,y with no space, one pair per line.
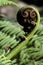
11,10
38,3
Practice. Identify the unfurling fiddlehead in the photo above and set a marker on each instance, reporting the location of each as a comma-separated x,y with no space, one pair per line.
10,35
27,17
31,16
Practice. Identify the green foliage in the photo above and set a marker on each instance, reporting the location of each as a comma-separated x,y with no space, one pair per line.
7,40
3,60
10,36
6,2
32,54
9,29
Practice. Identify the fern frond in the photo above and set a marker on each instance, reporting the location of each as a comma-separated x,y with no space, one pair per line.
33,55
6,2
8,28
7,40
9,35
3,60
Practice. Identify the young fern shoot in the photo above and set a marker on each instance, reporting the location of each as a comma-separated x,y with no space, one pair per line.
26,11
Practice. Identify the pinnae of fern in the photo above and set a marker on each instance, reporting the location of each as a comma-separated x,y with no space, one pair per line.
6,2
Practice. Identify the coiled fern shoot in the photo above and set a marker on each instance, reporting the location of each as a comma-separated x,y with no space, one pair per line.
10,35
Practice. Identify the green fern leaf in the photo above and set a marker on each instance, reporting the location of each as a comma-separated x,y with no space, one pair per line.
7,40
8,28
6,2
